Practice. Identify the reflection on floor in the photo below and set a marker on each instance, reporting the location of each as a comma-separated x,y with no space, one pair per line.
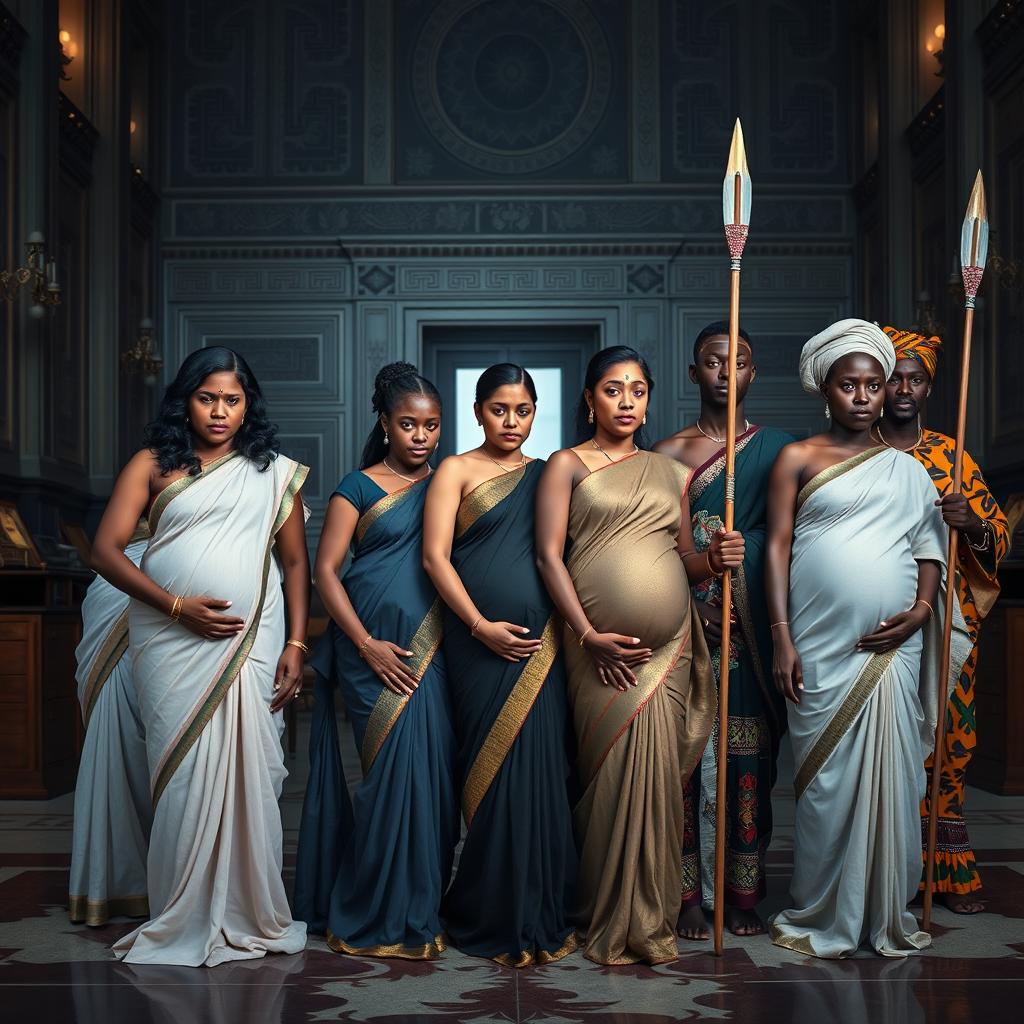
51,970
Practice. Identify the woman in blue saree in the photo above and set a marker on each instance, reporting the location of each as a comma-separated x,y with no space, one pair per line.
372,877
501,645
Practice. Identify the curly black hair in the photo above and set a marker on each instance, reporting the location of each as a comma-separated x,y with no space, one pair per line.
392,383
598,366
169,436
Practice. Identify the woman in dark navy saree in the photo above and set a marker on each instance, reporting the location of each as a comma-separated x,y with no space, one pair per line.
372,877
505,673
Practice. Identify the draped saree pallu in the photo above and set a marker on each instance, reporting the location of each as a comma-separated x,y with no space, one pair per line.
637,747
518,863
864,721
213,747
113,809
757,717
375,886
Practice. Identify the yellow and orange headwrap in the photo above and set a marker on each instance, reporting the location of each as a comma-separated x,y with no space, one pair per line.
911,345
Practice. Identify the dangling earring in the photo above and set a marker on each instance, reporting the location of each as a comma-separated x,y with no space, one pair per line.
882,413
828,412
387,440
590,416
644,421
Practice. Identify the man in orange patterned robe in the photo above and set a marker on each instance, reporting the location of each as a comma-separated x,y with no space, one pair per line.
984,539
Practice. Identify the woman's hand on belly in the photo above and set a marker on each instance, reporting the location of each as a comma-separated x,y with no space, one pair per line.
615,657
895,630
506,639
200,615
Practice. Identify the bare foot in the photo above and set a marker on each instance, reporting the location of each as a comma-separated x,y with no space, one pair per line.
961,903
691,924
743,922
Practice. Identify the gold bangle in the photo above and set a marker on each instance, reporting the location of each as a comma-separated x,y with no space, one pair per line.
362,647
583,635
931,610
711,568
297,643
783,622
472,629
176,608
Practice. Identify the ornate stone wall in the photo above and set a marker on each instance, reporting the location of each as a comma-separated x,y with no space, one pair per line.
339,176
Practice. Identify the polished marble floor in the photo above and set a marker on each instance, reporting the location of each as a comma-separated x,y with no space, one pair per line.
51,970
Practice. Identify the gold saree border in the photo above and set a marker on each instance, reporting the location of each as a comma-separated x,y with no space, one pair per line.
831,473
382,506
104,664
797,943
485,496
428,951
540,958
839,724
206,710
657,672
507,726
389,706
95,913
171,491
704,475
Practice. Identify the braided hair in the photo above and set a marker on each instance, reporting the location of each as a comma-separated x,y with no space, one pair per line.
392,383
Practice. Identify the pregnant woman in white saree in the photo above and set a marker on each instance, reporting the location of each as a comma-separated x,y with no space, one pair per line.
856,563
211,661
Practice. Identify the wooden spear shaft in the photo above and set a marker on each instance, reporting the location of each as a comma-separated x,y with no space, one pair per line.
723,685
947,628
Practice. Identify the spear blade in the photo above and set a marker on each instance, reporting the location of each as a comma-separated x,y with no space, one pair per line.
736,194
974,240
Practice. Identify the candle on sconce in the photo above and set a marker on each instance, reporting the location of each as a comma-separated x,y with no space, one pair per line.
51,274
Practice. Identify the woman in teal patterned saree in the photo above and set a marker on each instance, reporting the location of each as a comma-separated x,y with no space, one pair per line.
373,877
501,645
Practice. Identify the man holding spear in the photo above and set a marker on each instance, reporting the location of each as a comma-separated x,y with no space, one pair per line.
984,540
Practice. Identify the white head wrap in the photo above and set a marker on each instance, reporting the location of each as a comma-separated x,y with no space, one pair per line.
842,338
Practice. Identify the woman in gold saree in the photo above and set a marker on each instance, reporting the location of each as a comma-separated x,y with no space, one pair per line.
640,681
226,520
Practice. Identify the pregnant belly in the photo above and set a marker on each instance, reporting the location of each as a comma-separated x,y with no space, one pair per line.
226,573
641,594
849,590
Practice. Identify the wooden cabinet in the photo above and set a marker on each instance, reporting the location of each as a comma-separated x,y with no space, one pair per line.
40,723
998,762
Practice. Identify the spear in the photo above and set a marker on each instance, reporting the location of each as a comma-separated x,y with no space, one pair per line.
736,193
973,251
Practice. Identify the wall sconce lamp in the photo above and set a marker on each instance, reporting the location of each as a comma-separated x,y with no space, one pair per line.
38,274
143,356
68,52
935,45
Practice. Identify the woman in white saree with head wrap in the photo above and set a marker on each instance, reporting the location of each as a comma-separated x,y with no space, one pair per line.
209,684
856,557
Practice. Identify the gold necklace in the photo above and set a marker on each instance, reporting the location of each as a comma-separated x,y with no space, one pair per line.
407,479
593,441
507,469
920,437
719,440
